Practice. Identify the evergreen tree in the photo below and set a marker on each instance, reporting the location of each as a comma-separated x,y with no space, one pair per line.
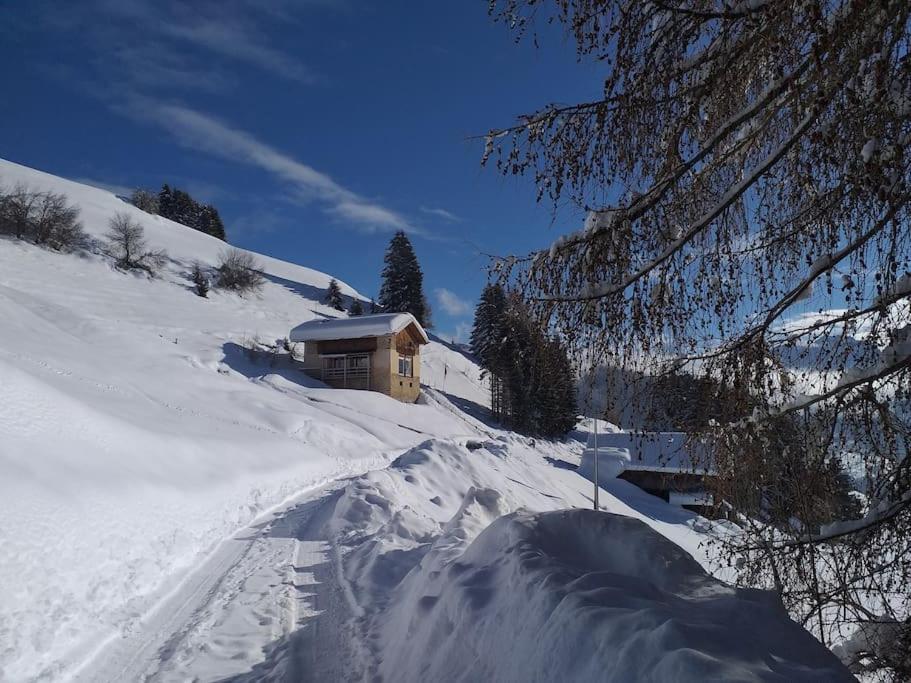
166,201
403,282
334,296
179,206
356,308
556,399
486,336
374,307
486,331
185,210
532,381
210,222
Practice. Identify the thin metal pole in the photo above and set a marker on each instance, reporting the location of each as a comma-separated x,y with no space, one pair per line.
596,464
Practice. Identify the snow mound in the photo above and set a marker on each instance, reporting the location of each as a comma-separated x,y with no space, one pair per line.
462,562
612,462
581,595
652,451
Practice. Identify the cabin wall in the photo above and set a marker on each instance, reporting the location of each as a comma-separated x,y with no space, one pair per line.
405,389
384,363
380,365
312,364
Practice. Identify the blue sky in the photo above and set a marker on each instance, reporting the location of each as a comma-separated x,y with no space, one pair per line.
318,127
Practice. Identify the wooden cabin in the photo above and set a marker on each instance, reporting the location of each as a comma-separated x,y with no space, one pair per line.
380,352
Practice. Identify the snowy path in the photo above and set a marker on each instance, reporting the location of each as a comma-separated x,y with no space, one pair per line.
264,606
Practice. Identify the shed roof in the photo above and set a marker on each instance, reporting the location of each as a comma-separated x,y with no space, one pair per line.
357,327
656,451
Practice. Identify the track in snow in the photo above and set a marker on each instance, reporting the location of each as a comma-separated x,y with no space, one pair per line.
265,606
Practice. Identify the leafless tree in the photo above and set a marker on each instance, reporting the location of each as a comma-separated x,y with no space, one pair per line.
145,200
239,271
55,223
16,207
129,245
46,218
744,156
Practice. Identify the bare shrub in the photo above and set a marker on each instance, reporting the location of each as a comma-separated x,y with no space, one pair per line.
145,200
43,217
56,223
16,207
130,248
239,271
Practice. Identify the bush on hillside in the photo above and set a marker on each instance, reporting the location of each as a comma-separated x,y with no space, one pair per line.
130,248
200,280
43,217
239,272
16,207
56,223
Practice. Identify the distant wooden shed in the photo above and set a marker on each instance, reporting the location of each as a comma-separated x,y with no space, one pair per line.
663,464
380,352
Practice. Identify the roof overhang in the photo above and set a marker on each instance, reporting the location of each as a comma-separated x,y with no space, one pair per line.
357,327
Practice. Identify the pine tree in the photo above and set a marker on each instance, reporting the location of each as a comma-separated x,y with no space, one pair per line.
334,296
556,399
488,323
356,308
374,307
186,211
166,201
210,222
486,336
403,282
532,381
179,206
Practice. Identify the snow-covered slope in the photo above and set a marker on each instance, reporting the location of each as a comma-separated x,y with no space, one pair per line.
136,431
172,500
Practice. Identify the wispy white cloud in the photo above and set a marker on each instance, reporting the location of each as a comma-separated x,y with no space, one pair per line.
199,131
459,336
168,44
232,41
371,215
451,302
441,213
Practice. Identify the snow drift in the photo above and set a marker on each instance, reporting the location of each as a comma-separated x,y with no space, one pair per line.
453,578
584,596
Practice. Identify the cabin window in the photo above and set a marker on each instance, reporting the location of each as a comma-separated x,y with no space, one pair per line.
406,365
358,362
337,363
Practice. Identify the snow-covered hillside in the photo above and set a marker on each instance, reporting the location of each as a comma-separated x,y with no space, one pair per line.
178,506
136,432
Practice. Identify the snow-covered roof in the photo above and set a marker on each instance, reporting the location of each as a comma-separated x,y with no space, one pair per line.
654,451
356,327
